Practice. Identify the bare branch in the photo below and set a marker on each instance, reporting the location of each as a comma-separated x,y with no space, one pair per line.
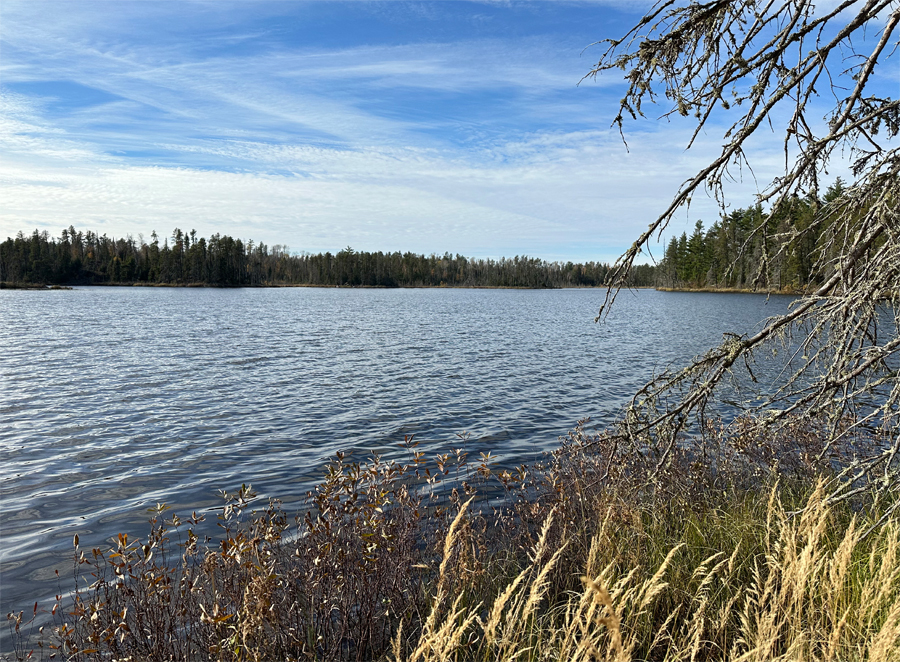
751,58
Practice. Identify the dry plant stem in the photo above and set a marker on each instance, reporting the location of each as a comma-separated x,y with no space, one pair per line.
808,588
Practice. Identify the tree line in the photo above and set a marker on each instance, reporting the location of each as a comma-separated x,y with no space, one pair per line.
78,257
736,252
752,249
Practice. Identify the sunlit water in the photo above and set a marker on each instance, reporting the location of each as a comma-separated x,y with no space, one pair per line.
114,399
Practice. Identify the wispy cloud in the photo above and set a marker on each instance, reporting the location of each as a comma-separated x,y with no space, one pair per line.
426,127
572,195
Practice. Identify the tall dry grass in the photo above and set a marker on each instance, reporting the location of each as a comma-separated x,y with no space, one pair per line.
800,587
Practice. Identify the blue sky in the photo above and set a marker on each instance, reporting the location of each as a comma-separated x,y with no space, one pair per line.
430,127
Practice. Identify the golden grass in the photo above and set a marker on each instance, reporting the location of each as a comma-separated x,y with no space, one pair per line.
818,590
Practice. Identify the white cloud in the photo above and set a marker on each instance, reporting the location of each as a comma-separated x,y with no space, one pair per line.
495,151
545,195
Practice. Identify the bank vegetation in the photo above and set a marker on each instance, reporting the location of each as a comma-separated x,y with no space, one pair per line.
736,553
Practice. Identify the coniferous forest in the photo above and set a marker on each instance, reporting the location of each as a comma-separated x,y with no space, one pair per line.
185,259
735,253
732,254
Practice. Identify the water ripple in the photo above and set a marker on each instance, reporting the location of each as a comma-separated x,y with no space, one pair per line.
114,399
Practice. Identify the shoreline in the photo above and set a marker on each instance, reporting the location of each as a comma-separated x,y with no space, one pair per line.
718,290
38,286
789,291
32,286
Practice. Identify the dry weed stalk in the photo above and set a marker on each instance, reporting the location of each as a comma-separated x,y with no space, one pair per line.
812,595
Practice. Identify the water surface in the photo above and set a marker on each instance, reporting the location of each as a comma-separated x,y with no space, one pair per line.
114,399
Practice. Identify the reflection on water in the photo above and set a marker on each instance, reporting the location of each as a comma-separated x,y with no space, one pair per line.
114,399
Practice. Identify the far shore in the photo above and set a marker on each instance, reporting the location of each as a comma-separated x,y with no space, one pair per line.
732,290
38,286
31,286
789,291
729,290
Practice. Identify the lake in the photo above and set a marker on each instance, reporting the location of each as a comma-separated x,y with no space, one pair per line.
114,399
